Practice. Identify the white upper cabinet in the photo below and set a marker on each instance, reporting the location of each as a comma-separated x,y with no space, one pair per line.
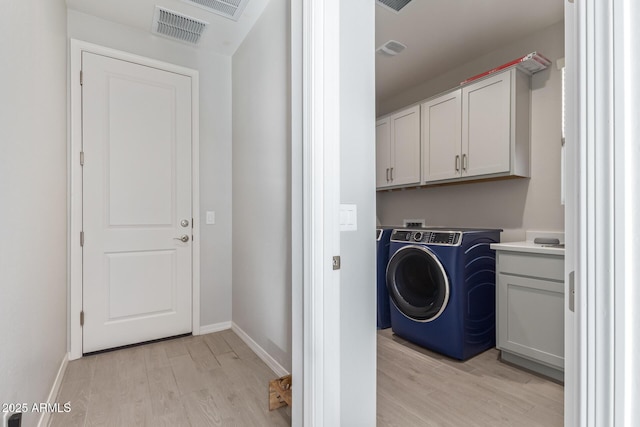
486,126
398,149
442,137
383,152
478,131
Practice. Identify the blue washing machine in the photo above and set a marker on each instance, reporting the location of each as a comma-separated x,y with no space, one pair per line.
382,296
441,282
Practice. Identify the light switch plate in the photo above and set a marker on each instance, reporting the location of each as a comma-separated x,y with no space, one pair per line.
211,217
348,217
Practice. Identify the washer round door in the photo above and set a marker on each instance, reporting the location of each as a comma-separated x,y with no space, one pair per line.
417,283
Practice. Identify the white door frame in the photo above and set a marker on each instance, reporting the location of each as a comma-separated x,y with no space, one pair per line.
572,378
298,306
603,201
316,89
603,217
75,182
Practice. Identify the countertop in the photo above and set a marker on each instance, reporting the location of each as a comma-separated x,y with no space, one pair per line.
528,246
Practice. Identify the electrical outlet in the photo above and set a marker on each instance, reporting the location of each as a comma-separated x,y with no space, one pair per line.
413,223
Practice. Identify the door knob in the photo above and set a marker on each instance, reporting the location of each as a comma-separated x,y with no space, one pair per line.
184,223
184,238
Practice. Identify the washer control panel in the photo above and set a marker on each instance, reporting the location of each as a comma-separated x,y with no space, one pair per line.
446,238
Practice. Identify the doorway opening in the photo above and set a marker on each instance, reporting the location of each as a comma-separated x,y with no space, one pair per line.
447,44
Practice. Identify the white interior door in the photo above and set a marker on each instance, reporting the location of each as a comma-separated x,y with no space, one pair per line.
137,189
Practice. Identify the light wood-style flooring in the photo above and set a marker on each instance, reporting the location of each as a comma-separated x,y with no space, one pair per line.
216,380
417,387
206,380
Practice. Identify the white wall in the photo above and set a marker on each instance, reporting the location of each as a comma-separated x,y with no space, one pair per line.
215,145
33,196
262,184
515,205
357,186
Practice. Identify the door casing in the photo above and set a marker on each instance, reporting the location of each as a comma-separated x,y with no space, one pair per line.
74,225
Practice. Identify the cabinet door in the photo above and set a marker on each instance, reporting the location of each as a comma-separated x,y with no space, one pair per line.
531,318
383,153
486,125
442,137
405,144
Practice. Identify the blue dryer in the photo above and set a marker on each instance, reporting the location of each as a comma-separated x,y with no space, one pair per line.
382,296
441,283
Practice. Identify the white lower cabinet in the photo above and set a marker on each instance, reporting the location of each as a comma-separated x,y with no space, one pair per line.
530,311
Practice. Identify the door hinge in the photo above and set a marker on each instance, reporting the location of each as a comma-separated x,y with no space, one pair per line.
82,318
336,262
81,78
82,158
82,238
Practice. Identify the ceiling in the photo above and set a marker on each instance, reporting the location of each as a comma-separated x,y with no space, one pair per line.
439,34
222,35
443,34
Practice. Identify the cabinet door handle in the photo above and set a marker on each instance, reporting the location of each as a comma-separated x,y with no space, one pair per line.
391,174
457,163
387,174
464,162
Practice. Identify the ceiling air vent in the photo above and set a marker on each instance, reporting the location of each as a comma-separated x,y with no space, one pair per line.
176,26
231,9
391,48
395,5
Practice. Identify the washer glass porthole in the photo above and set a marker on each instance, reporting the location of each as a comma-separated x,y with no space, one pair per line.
417,283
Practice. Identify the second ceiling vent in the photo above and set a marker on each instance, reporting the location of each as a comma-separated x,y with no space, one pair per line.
391,48
231,9
395,5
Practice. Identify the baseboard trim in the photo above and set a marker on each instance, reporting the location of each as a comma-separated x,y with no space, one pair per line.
215,327
45,418
272,363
